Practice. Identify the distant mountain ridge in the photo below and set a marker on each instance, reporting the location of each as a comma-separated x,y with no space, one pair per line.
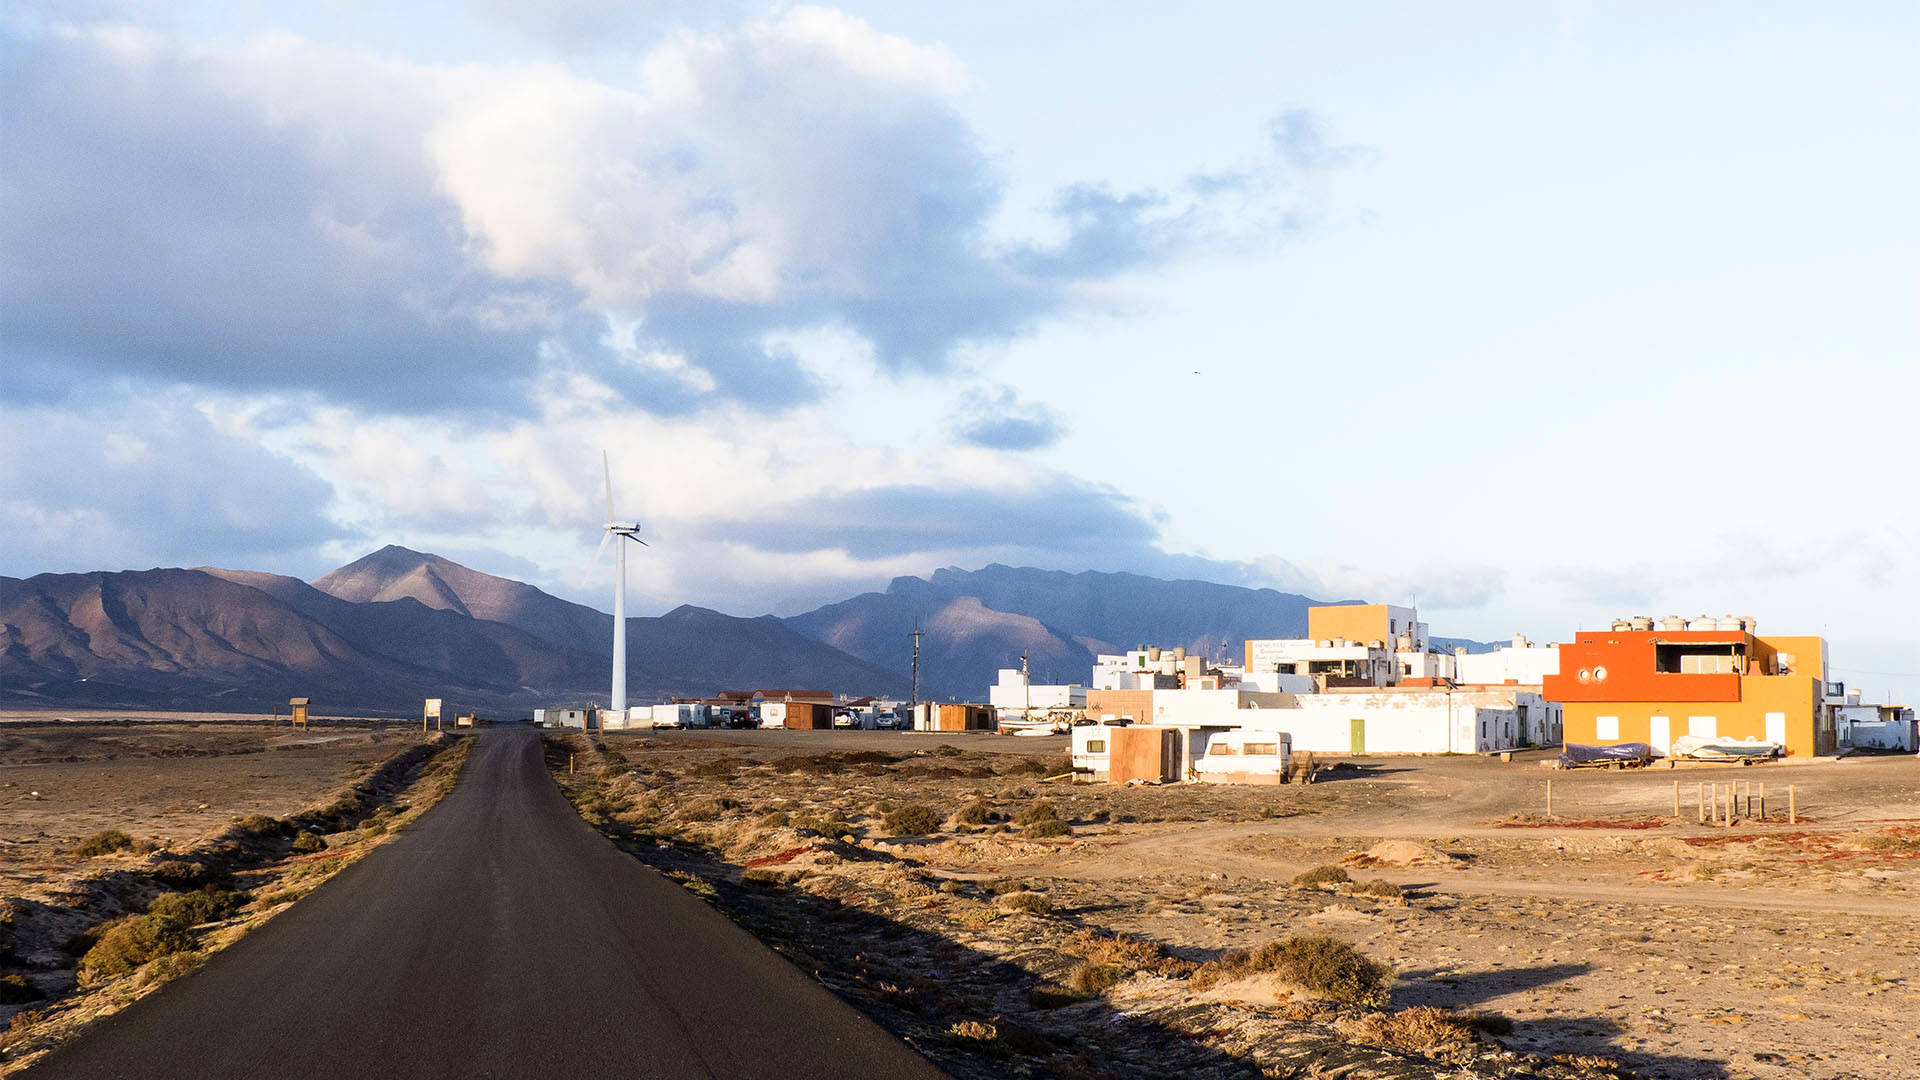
396,625
976,622
374,636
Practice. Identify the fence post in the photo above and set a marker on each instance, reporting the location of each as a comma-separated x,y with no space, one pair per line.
1793,812
1676,798
1763,800
1700,803
1549,796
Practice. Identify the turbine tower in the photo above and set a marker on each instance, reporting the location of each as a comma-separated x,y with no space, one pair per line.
615,530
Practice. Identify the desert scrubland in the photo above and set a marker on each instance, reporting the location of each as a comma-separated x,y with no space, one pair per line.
1400,917
132,847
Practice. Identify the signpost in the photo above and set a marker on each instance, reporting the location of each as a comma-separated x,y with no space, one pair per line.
431,711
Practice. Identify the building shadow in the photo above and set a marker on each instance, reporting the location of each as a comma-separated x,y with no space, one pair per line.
1439,988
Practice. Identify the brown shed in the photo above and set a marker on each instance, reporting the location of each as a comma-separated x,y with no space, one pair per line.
1141,753
806,715
964,718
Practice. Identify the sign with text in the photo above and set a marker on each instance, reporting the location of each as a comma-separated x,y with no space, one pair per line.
433,706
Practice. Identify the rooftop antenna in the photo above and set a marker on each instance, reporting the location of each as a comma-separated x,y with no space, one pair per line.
614,530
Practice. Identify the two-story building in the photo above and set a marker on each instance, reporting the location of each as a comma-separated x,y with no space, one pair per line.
1643,681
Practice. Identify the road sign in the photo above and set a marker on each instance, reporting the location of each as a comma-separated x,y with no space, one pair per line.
433,706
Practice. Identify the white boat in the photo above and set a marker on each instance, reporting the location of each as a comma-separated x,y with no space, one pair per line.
1702,748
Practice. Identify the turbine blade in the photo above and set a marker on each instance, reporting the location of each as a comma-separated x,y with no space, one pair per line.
598,552
608,468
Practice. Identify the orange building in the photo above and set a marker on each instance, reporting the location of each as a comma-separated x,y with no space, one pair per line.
1632,684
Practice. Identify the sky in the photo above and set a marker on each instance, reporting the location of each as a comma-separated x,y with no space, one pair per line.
1535,314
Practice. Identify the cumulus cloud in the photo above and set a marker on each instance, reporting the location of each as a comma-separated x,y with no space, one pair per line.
998,420
281,216
139,483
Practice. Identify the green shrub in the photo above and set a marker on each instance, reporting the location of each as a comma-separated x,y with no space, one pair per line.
1320,877
126,944
373,827
105,843
1032,903
16,990
828,825
913,821
1040,830
203,906
778,819
977,812
308,842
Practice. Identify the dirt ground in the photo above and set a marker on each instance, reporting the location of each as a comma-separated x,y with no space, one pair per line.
220,806
1610,935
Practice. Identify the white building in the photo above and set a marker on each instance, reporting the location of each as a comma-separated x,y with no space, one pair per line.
1014,695
1522,662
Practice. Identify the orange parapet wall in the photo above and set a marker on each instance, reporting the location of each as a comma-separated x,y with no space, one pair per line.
1354,622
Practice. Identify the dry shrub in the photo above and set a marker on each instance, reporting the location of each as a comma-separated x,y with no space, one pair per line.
1033,766
914,820
17,990
1323,965
929,772
104,843
707,809
1040,830
719,768
1421,1029
825,825
778,819
308,842
1380,889
1088,978
977,812
203,906
127,943
1320,877
1034,813
973,1031
1031,903
1888,842
812,764
263,825
181,874
1131,953
765,876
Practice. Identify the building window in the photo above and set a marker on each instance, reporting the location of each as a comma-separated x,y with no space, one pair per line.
1266,748
1096,746
1606,727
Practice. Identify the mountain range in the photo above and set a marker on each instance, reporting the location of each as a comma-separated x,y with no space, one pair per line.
395,626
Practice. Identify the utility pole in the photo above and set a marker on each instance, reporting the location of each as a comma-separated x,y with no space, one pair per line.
916,670
1026,683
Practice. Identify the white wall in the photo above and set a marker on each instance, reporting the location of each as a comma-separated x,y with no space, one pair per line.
1011,694
1527,666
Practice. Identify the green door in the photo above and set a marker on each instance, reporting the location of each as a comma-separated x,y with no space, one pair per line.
1359,728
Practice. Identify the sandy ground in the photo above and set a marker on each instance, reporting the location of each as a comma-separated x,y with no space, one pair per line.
164,780
1612,931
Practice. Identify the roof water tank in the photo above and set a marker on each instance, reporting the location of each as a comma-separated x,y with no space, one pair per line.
1701,622
1750,624
1621,624
1180,652
1728,622
1642,622
1673,622
1153,654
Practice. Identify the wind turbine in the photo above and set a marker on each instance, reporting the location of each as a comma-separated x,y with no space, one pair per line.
628,530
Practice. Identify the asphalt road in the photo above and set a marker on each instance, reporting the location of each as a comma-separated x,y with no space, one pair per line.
500,936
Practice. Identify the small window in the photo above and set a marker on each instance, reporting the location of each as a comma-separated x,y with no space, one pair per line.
1606,727
1096,746
1224,750
1267,748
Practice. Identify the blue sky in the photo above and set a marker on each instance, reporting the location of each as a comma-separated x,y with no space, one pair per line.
1541,313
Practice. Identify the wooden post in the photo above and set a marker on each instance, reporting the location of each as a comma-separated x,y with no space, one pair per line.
1549,796
1763,800
1700,803
1676,798
1793,812
569,764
